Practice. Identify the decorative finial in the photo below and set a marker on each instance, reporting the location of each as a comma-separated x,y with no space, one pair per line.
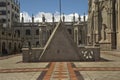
63,18
32,18
73,17
79,18
84,17
43,18
53,18
22,18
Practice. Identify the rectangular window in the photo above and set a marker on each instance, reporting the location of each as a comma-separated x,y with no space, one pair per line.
2,4
2,20
28,32
2,12
8,11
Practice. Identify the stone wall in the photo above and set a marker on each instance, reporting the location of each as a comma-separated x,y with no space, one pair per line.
31,55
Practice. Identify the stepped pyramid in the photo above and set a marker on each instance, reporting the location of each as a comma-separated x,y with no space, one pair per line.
60,46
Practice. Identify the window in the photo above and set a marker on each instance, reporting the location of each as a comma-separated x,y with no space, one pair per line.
19,46
37,43
8,20
12,6
8,3
2,12
2,4
10,46
37,32
2,20
27,32
3,33
9,34
8,12
70,31
29,44
18,32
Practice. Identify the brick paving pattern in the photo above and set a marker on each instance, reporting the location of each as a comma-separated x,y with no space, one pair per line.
11,68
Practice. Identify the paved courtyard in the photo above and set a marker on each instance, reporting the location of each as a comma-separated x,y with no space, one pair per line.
108,68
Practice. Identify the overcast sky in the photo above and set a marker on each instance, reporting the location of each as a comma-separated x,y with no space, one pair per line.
48,7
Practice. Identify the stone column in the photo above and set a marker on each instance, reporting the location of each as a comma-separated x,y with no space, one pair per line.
40,37
76,34
32,32
118,35
0,41
96,35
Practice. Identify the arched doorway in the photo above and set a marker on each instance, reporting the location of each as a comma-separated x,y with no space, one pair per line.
10,47
4,50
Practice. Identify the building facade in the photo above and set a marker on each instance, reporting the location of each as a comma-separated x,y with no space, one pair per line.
103,23
9,12
10,42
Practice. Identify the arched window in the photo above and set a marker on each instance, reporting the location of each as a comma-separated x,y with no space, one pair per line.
37,43
70,31
37,32
17,32
19,46
28,32
10,46
15,47
4,50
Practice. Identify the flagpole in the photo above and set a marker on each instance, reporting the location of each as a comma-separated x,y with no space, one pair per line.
60,8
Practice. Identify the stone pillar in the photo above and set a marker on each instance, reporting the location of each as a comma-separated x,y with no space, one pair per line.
113,25
118,35
32,32
40,37
76,34
109,24
22,31
96,35
88,32
0,42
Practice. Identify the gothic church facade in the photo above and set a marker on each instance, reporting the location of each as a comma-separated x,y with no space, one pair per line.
104,23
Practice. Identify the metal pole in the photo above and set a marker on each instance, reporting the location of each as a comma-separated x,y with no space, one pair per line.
60,8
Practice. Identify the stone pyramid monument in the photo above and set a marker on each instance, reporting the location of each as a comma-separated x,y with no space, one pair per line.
60,46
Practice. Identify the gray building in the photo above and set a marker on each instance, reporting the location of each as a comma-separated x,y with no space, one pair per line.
10,42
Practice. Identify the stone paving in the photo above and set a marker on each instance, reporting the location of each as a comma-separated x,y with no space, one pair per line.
12,68
112,61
